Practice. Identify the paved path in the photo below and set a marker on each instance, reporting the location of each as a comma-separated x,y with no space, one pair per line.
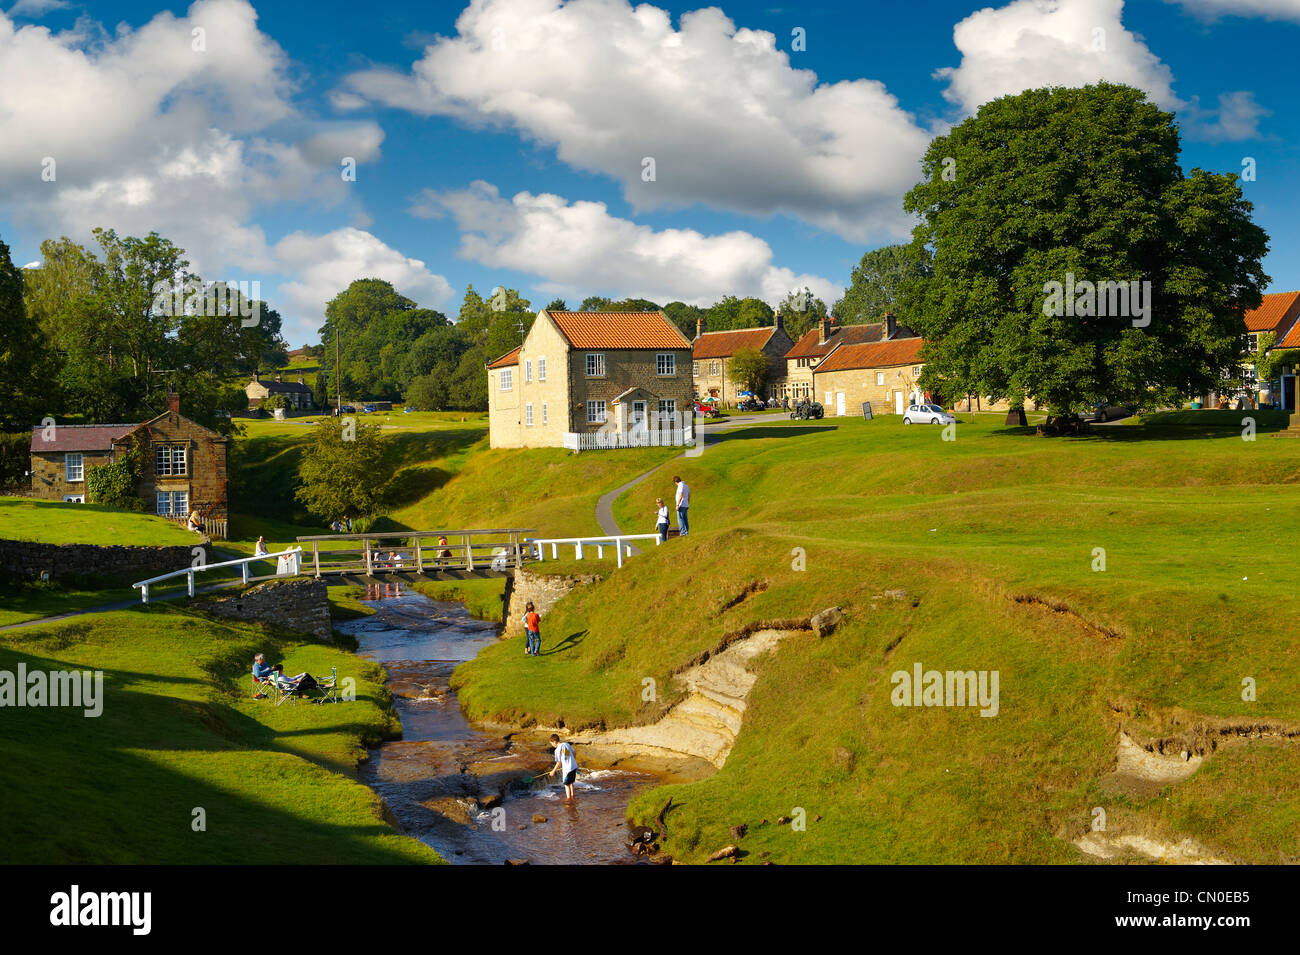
605,505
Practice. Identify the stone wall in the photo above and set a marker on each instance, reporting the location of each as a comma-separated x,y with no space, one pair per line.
295,603
544,590
28,559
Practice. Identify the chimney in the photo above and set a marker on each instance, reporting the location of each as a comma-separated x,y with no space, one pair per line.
891,326
279,377
173,401
699,327
255,373
780,322
824,330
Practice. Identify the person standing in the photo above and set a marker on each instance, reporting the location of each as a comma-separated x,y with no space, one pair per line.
566,763
533,629
683,505
661,519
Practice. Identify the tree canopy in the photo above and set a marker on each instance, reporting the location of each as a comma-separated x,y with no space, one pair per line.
876,284
1043,200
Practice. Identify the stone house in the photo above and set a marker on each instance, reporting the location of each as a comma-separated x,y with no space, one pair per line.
884,373
712,351
823,338
1278,313
297,394
183,470
583,380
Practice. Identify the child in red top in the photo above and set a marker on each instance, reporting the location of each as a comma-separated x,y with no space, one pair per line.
533,629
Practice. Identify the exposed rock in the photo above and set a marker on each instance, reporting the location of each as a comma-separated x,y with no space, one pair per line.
842,758
727,852
825,622
738,832
538,818
292,603
544,590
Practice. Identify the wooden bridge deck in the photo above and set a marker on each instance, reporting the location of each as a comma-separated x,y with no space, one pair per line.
415,555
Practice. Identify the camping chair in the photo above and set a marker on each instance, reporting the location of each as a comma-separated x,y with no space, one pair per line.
326,691
263,688
285,689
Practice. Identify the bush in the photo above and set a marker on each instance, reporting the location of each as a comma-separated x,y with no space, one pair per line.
15,459
114,485
273,402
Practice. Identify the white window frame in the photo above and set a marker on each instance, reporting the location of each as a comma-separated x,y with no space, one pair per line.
638,412
528,415
665,365
671,408
506,381
70,468
695,368
880,378
164,460
541,367
715,368
597,412
528,371
171,498
595,364
543,412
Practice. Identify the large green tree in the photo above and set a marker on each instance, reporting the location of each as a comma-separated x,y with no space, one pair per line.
24,387
801,310
877,281
733,312
1050,188
342,471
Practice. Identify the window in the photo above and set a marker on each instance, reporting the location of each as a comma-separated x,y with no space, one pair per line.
595,409
541,370
528,415
507,379
543,412
880,377
528,370
595,365
695,368
665,364
667,407
916,370
169,459
73,467
173,502
715,368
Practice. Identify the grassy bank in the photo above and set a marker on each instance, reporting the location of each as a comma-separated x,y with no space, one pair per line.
179,731
997,537
53,522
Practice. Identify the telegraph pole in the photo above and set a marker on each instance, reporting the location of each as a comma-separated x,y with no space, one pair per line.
338,380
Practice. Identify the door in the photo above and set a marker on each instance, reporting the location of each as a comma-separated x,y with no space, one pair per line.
638,413
839,403
898,402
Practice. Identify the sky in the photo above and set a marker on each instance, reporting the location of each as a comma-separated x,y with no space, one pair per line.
589,147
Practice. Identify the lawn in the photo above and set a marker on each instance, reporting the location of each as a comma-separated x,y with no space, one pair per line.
179,732
53,522
998,538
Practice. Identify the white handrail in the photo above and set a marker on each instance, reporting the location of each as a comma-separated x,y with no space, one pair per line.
618,540
189,572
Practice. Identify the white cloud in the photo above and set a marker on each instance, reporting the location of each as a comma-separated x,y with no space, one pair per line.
578,246
727,120
36,8
1270,9
1034,43
324,265
146,133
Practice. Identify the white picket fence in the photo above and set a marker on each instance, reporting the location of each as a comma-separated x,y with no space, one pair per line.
580,545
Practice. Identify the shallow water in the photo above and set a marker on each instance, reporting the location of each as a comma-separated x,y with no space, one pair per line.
463,790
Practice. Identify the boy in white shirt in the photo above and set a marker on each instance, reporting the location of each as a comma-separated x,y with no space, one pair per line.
567,763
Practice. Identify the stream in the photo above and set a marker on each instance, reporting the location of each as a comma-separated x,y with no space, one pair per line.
463,789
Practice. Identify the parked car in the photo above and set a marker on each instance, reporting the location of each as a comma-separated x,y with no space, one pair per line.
706,410
927,414
368,409
1103,412
348,409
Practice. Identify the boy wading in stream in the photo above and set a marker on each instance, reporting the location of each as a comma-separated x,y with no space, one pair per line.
565,762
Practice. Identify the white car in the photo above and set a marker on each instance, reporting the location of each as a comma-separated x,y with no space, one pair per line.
927,414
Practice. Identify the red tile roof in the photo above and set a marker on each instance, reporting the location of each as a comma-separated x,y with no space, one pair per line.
505,361
807,346
725,344
1276,313
619,330
896,351
79,437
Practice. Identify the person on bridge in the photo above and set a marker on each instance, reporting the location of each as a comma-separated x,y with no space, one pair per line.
444,552
532,630
661,519
566,762
683,505
259,550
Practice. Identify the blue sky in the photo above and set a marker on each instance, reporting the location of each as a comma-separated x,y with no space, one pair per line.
504,142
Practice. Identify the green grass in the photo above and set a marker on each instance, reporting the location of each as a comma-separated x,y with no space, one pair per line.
53,522
179,731
484,599
964,526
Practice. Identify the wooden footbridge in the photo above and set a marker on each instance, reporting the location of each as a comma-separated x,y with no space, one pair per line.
407,556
